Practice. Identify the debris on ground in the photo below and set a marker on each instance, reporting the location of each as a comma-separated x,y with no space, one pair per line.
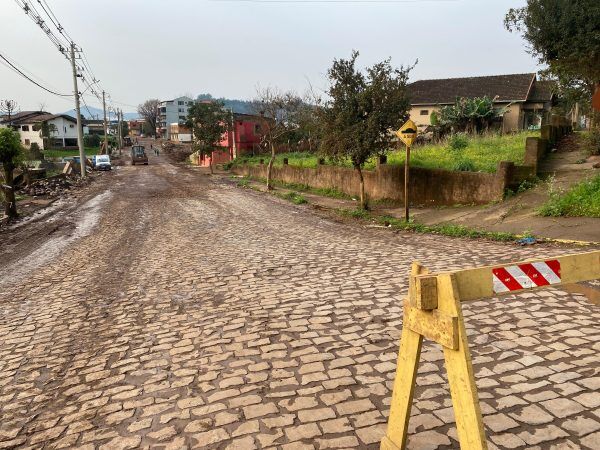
177,152
527,241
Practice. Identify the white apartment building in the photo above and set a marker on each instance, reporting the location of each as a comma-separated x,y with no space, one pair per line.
170,112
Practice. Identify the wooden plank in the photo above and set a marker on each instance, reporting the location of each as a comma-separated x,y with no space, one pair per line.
404,382
426,292
435,325
465,401
404,385
477,283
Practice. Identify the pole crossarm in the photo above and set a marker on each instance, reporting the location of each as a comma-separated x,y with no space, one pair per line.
433,310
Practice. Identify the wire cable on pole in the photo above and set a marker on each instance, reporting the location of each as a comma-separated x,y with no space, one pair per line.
20,72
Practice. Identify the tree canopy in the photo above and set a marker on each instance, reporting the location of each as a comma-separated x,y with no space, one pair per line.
208,122
362,111
564,35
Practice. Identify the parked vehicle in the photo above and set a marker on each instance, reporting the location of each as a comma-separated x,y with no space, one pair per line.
103,162
138,155
127,141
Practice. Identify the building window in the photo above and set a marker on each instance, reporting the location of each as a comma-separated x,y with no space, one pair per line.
257,128
25,128
424,112
181,117
180,103
71,126
27,142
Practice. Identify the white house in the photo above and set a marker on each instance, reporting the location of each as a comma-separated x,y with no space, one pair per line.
61,129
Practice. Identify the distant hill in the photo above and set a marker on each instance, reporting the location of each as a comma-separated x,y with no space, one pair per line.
97,113
238,106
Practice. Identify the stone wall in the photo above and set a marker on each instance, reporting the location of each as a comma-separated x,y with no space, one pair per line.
426,186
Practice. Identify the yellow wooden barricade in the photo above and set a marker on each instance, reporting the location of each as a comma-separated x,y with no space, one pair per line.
433,310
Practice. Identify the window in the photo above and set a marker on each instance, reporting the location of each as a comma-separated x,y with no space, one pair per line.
27,142
25,128
181,117
71,126
257,128
424,112
180,103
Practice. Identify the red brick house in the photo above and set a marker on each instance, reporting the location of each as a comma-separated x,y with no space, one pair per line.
242,139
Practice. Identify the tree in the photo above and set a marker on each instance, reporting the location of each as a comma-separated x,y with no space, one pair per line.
11,153
362,110
208,122
149,112
9,108
564,35
279,113
468,114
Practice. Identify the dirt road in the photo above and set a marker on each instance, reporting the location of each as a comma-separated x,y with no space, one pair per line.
178,311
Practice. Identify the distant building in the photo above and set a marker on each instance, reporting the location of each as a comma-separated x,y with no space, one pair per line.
60,129
180,134
136,127
527,100
171,111
95,126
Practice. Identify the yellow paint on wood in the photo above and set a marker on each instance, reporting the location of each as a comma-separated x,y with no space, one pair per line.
426,292
435,325
467,412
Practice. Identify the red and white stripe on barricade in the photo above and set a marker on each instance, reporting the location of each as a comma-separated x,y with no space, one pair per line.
524,276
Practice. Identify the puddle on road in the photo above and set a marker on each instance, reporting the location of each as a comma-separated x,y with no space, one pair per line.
590,291
85,219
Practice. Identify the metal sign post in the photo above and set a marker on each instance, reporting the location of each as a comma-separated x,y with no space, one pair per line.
407,133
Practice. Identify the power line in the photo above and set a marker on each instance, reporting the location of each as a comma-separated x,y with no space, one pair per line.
333,1
19,71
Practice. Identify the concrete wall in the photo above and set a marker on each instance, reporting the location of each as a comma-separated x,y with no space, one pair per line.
422,121
427,186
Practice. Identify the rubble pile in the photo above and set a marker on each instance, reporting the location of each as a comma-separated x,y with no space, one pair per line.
50,187
177,152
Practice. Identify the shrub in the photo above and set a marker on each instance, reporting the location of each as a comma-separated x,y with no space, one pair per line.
591,142
91,140
464,165
582,200
458,141
34,152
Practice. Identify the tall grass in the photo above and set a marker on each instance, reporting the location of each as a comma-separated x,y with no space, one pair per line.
582,200
482,153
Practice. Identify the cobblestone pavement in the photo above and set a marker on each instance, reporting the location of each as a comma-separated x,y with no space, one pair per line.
200,315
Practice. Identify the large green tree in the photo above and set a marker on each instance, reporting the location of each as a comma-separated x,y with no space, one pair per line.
208,122
11,153
362,111
565,36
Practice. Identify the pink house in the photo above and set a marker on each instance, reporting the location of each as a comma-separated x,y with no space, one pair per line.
242,139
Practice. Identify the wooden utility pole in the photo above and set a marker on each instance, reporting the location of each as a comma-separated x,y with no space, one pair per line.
78,113
120,129
105,131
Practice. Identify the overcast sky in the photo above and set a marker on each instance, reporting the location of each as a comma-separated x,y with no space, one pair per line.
141,49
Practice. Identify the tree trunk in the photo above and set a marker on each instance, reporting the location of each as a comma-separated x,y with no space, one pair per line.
10,208
363,200
210,164
270,167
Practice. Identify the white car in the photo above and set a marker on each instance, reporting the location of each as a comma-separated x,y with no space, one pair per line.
103,162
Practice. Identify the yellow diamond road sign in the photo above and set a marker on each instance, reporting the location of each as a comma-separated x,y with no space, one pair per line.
408,132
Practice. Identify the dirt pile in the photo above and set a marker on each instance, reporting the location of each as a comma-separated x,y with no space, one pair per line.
177,152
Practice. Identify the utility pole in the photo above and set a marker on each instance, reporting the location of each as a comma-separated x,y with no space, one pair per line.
78,111
105,135
120,125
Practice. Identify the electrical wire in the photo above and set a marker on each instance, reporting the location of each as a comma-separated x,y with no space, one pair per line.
20,72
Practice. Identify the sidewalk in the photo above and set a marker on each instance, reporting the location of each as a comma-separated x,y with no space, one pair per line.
516,215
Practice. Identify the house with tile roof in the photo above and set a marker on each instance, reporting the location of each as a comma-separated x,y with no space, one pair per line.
29,124
525,99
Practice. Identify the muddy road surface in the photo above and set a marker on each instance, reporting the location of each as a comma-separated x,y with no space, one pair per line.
171,309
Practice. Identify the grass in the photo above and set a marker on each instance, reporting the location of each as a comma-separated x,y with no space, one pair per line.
444,229
62,153
324,192
481,154
294,197
582,200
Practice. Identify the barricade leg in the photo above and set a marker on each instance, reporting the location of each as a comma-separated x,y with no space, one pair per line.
465,401
404,386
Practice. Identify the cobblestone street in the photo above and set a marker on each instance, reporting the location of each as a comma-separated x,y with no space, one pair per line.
188,313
